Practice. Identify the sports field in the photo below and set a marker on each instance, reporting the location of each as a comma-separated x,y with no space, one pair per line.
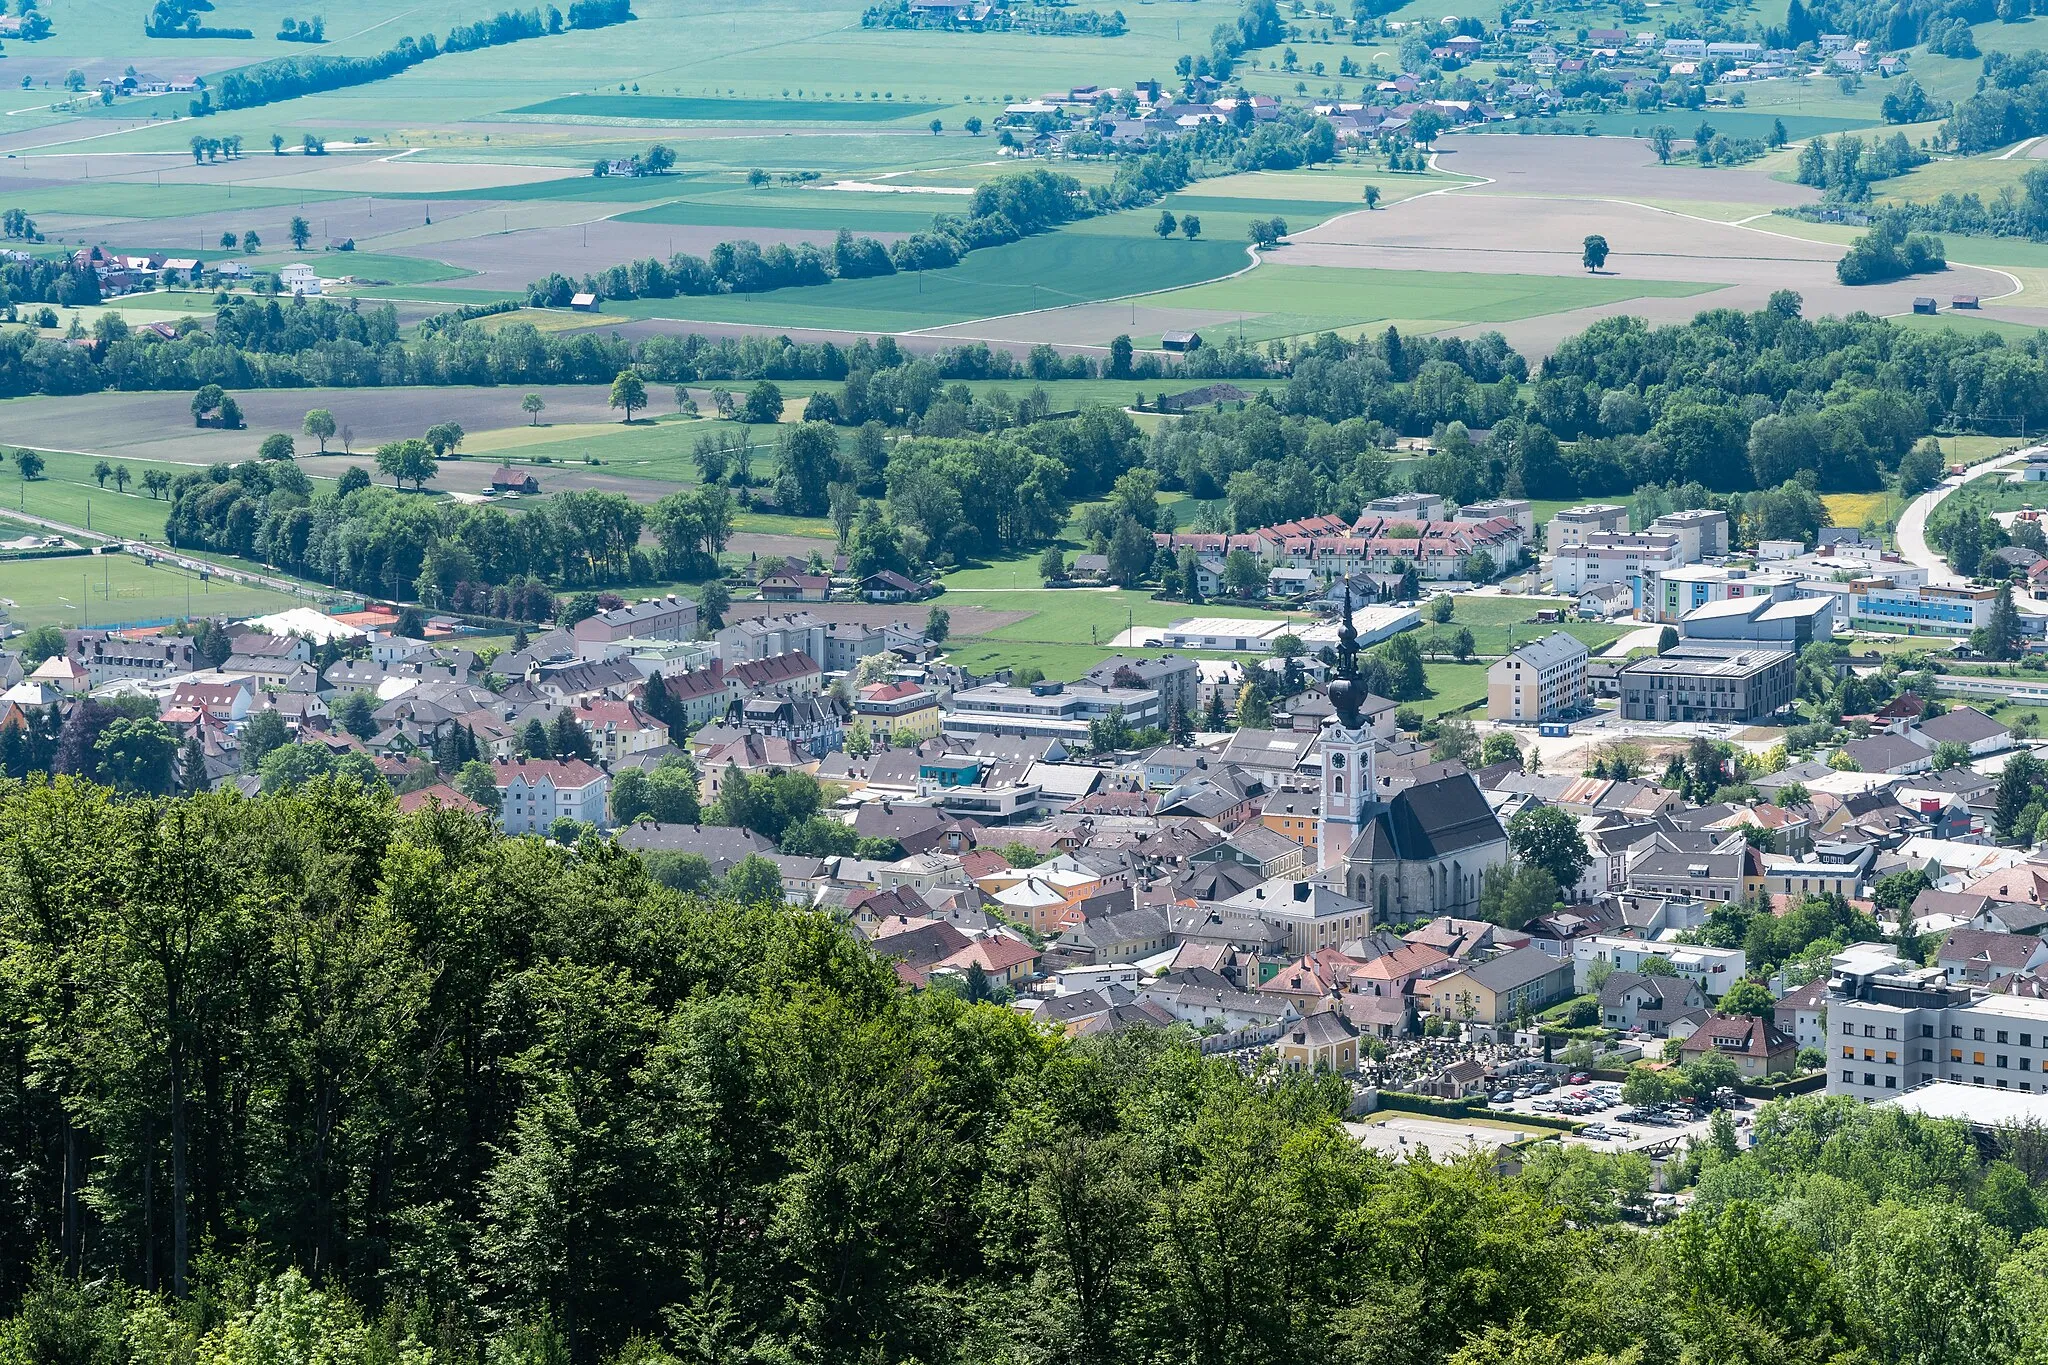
117,589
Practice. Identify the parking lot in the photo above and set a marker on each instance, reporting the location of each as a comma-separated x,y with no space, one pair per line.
1601,1110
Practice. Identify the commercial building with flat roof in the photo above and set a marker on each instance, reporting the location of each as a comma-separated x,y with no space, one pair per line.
1047,709
1793,623
1702,530
1614,557
1711,683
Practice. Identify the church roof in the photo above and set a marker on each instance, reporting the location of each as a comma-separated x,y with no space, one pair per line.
1429,820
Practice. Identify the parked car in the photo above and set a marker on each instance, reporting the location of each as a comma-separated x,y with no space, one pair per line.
1502,1097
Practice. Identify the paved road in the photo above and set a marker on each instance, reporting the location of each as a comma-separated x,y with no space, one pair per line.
143,550
1913,521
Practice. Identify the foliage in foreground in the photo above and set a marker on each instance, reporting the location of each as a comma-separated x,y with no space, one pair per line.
351,1087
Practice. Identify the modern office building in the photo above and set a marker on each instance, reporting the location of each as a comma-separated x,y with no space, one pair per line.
1669,593
1706,682
1050,709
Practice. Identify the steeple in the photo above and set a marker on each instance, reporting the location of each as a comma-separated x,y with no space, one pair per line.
1346,696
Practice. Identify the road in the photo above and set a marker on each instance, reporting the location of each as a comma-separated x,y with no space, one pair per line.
1912,531
157,554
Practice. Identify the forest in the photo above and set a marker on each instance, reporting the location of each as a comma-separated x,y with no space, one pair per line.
295,1078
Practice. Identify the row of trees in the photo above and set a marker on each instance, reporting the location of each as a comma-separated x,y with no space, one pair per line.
1000,210
285,78
294,1078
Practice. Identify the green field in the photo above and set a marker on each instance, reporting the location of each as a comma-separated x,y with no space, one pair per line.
1279,300
141,199
1069,266
116,589
1735,123
1499,623
671,108
813,209
67,493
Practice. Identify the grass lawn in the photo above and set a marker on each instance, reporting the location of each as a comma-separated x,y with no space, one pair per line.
1280,300
371,267
67,493
1970,324
1069,266
1451,686
1499,623
115,589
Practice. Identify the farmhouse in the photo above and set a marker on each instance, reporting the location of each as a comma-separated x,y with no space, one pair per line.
505,479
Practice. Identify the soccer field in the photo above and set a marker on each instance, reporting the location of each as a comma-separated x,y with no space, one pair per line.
117,589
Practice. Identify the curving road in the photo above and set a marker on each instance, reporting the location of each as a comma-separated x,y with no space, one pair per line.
1912,530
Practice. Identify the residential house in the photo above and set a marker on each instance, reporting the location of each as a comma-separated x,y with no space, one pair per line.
1758,1047
533,793
1498,989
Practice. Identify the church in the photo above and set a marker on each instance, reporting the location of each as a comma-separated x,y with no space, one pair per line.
1417,855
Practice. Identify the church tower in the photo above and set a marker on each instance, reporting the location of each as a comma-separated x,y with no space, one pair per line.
1349,789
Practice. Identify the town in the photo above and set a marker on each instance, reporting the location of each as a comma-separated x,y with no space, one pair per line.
1642,872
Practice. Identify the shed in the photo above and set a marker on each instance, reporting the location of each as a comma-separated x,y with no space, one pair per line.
1180,341
587,303
1963,301
1924,305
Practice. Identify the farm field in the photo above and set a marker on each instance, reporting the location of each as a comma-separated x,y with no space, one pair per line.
677,109
1038,272
1280,300
118,589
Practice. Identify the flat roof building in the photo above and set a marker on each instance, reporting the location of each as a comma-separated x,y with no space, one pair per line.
1572,525
1710,683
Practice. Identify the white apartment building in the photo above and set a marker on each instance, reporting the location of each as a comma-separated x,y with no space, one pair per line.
1713,970
533,793
1892,1025
1541,680
1574,524
1614,557
1701,531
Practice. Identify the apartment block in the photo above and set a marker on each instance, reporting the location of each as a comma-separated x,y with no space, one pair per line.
1893,1025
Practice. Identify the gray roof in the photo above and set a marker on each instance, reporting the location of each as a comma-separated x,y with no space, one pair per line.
721,845
1430,820
1518,967
1883,753
1964,725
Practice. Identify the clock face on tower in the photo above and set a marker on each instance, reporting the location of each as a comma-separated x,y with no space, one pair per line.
1336,760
